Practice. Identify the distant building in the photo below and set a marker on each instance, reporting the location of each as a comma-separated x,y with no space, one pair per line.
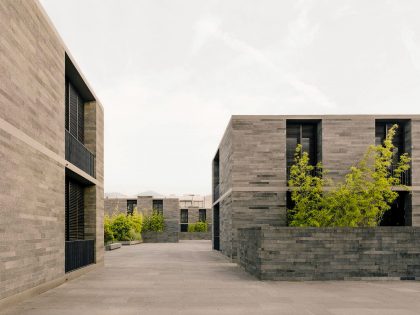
178,212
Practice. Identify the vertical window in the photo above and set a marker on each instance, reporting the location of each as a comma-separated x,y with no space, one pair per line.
131,204
305,134
184,220
74,118
202,215
381,132
158,206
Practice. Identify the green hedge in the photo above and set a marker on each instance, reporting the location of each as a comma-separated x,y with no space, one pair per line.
198,227
153,222
122,227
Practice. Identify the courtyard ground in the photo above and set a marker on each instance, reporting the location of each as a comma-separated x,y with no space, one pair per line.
189,278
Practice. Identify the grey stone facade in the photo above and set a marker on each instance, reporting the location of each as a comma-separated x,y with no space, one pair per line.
171,212
32,154
285,253
250,170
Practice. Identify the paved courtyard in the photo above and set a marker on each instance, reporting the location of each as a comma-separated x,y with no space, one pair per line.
189,278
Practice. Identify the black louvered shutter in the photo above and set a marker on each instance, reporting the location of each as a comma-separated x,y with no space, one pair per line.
67,106
80,120
74,211
67,210
73,104
76,113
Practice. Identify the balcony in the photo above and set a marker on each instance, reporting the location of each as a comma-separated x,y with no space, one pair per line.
78,254
79,155
405,177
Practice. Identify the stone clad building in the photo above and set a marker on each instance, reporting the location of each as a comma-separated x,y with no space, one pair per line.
250,167
51,158
177,211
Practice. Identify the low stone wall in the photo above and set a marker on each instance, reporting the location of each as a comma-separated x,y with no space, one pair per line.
160,237
289,253
195,235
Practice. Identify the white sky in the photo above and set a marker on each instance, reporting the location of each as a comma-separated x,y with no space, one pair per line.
170,73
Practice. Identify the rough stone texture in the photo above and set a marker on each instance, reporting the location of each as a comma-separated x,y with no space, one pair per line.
144,204
171,215
160,237
285,253
189,278
32,146
252,157
115,205
195,235
344,141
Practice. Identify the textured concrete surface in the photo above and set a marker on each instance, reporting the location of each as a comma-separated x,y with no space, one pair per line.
32,152
189,278
330,253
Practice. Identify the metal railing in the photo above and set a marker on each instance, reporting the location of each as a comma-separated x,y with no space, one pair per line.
79,155
79,253
405,177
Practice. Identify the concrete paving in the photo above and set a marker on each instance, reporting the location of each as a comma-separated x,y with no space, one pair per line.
190,278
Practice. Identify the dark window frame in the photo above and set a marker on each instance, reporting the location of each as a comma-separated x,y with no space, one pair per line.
202,213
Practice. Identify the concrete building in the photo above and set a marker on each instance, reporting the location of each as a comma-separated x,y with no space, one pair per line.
250,167
51,158
177,211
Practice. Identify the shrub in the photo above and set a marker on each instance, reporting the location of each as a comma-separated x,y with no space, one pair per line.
108,233
123,227
360,200
153,222
198,227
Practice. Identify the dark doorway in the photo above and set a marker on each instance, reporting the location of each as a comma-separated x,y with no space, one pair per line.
216,228
399,214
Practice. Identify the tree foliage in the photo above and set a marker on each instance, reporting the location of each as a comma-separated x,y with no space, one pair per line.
123,227
360,200
154,222
198,227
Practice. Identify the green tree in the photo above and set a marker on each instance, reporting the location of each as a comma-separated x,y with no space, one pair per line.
307,183
108,234
361,200
366,193
154,222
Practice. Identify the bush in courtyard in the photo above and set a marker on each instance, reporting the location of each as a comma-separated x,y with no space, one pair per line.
360,200
198,227
122,227
108,233
153,222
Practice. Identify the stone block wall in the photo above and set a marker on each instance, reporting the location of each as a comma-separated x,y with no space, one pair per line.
32,152
115,205
286,253
195,235
253,166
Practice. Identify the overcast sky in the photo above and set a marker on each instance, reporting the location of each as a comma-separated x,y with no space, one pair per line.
171,73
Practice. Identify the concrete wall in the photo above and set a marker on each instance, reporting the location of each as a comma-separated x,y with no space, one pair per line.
115,205
253,166
32,146
195,235
283,253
